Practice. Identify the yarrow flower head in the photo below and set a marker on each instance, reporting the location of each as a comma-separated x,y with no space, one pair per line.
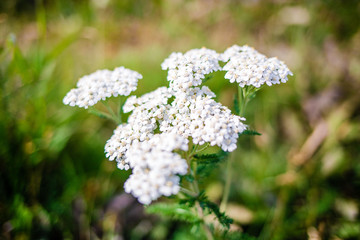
195,114
189,69
147,110
120,142
248,67
102,84
156,167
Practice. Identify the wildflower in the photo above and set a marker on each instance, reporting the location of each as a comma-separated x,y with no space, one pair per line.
195,114
149,100
164,120
248,67
155,167
102,84
120,142
142,122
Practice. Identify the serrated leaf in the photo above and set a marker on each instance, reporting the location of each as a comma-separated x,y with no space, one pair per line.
208,206
212,207
207,162
190,200
211,158
174,211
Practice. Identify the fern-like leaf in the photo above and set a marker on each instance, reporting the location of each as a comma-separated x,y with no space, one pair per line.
207,162
212,207
224,220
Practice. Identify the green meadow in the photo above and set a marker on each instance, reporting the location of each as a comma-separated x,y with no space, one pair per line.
300,179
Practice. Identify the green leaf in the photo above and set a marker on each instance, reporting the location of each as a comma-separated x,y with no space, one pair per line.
62,45
207,162
174,211
250,133
348,230
212,207
211,158
189,201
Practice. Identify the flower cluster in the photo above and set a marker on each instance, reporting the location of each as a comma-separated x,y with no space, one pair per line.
187,70
155,167
142,122
102,84
248,67
195,114
179,112
165,119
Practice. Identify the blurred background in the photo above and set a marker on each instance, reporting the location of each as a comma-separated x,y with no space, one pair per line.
299,180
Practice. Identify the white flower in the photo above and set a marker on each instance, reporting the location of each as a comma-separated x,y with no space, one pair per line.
189,69
195,114
155,167
248,67
147,111
102,84
121,141
149,100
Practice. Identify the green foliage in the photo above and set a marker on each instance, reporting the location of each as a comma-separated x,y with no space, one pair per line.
212,207
236,235
250,133
178,212
207,206
51,156
348,230
208,162
188,177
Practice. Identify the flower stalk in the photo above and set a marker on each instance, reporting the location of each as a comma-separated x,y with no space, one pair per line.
114,116
244,96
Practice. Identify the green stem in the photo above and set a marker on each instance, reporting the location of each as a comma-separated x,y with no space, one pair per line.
240,98
188,192
195,187
206,228
243,95
227,186
196,151
121,103
195,183
103,115
202,149
112,113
